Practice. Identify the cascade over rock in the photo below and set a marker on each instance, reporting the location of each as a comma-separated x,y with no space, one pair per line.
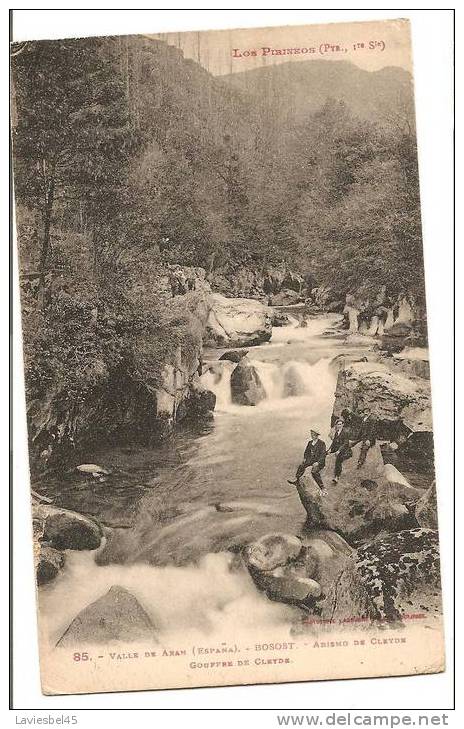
245,384
293,383
393,324
353,315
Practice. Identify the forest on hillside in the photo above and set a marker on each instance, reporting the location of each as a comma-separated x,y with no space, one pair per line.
129,159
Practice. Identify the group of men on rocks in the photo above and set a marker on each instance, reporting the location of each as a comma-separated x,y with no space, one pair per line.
346,435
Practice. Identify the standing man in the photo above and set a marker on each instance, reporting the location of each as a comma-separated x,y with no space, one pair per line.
366,435
341,446
314,457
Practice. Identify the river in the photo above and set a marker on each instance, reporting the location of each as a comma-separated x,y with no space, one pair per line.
179,511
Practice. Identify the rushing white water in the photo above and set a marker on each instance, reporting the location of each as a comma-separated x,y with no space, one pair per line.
232,480
282,378
219,383
193,601
289,385
295,332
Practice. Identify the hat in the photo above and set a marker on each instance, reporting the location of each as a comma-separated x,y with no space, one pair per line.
314,430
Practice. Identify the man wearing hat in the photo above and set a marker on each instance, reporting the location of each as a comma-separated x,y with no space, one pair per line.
314,457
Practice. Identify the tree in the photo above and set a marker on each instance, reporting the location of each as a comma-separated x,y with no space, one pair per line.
69,128
358,212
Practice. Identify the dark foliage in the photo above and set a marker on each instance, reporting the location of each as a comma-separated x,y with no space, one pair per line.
129,159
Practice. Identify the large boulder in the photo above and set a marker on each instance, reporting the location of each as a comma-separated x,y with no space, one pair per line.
395,337
397,483
237,322
392,398
116,616
412,361
165,390
173,388
392,576
297,570
344,360
328,553
272,550
201,401
245,385
283,585
361,504
64,529
272,563
49,563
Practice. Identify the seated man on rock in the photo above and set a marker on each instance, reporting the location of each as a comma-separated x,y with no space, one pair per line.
314,457
366,435
341,447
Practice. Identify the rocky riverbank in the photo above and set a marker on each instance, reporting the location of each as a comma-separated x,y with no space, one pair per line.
161,386
330,566
56,530
386,561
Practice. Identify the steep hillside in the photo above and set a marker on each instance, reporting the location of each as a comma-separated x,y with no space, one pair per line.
293,91
303,172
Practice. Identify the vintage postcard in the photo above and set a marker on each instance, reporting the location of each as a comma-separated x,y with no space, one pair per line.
226,360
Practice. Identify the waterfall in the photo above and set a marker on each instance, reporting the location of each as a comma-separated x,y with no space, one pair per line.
217,379
214,490
283,383
208,598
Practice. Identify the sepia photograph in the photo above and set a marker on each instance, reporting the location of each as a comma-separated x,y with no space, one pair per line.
226,357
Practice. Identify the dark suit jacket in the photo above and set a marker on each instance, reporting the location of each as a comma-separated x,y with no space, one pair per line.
315,453
366,431
341,441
